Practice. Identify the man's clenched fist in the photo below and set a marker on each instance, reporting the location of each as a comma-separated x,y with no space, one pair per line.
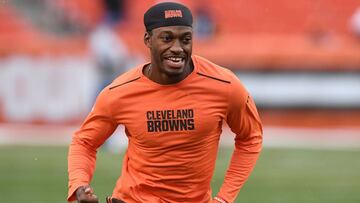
85,194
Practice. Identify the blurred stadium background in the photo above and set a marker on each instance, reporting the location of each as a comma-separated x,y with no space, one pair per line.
299,59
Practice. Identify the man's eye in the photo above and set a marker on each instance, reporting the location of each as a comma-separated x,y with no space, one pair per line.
166,38
187,39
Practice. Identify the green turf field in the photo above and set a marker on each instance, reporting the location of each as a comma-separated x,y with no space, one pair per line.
38,175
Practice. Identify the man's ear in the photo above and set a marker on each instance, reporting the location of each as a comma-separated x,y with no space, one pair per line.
147,41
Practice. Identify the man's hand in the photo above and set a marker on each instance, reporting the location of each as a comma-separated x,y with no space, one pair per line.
85,194
218,200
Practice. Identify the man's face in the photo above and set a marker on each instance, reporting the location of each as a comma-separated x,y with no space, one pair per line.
170,48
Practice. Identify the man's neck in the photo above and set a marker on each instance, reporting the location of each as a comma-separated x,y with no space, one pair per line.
166,79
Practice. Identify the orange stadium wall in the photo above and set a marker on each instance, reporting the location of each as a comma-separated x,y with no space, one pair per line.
61,90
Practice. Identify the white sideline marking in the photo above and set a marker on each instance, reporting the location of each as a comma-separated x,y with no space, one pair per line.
25,134
309,138
274,137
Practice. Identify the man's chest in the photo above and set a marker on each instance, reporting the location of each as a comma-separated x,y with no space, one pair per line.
162,115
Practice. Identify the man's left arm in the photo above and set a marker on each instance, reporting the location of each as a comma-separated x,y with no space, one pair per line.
244,121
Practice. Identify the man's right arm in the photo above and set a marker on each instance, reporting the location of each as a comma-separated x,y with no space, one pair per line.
97,127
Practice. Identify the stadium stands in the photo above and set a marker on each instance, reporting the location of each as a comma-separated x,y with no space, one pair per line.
276,34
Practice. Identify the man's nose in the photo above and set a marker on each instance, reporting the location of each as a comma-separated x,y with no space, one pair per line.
176,47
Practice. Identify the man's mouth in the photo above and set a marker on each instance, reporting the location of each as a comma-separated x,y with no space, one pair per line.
175,61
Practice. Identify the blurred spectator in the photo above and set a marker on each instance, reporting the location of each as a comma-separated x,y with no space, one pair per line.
114,10
109,51
204,25
355,22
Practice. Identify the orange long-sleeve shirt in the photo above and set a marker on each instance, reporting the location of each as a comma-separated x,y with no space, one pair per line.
173,133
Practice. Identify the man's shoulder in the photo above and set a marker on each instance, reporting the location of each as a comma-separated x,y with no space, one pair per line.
127,77
207,68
